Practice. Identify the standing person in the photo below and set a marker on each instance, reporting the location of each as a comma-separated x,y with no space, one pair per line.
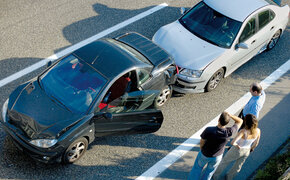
212,145
244,143
256,102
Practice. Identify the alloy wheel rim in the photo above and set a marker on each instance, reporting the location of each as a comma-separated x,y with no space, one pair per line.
76,151
215,80
274,40
163,96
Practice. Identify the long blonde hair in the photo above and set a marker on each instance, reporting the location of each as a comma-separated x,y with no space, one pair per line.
251,123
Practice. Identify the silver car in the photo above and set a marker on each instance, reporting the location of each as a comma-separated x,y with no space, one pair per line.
215,37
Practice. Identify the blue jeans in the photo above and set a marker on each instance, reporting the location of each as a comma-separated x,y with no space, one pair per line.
200,162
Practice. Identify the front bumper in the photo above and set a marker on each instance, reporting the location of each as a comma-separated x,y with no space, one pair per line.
183,85
43,155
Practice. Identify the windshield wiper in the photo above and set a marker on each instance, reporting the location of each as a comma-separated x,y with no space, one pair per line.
54,98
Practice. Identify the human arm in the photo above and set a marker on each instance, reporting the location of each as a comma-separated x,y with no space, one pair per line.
255,144
238,121
202,142
238,137
204,137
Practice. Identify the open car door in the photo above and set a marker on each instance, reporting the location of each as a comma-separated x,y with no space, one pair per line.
133,112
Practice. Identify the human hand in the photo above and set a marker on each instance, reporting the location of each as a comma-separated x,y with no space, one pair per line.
238,146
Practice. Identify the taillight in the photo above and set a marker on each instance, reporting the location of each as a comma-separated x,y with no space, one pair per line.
177,70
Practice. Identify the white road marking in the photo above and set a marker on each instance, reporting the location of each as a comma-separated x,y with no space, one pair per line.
187,145
194,140
66,51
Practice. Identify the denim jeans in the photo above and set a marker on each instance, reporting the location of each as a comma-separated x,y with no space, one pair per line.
200,162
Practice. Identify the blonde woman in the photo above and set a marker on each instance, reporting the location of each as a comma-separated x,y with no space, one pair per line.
244,143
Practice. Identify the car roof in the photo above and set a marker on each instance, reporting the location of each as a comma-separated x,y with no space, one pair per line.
236,9
106,58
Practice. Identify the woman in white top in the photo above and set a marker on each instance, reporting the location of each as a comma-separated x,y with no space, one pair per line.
244,143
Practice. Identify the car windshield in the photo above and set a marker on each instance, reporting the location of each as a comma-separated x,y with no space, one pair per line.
210,25
73,84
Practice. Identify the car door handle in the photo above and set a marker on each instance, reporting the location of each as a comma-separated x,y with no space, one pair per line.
272,28
253,42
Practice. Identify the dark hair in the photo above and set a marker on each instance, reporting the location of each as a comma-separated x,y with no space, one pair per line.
251,122
224,118
257,87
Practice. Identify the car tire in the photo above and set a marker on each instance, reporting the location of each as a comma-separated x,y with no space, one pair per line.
163,96
75,151
215,80
274,40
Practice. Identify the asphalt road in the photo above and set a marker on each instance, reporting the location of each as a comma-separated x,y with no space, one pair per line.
33,30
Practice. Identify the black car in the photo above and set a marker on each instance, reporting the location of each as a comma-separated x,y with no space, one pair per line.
110,86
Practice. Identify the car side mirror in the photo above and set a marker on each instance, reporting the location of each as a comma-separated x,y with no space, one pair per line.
108,116
242,46
182,10
49,63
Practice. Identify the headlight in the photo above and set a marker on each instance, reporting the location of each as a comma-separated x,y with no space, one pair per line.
4,110
191,73
43,143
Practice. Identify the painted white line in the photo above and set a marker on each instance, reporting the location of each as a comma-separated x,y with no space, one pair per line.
187,145
66,51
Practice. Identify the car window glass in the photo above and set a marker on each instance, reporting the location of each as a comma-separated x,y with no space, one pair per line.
73,83
249,30
132,102
264,19
143,76
274,2
272,15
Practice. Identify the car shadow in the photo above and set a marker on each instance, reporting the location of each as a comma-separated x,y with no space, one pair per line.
107,17
15,64
13,160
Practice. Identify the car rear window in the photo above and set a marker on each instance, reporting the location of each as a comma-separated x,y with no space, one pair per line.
130,51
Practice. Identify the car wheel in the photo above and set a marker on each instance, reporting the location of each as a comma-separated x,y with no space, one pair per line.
214,80
274,40
163,97
75,150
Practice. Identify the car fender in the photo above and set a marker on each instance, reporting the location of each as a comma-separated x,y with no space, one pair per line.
84,128
215,65
170,75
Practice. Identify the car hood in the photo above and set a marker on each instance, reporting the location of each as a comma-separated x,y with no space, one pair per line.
188,50
37,115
